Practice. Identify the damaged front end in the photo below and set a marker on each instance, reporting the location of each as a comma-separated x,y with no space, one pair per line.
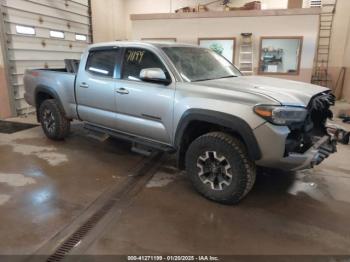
313,137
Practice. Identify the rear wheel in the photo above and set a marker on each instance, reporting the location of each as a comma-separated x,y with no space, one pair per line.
53,121
219,168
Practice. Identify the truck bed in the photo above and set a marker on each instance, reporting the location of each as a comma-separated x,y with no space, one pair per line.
71,66
59,81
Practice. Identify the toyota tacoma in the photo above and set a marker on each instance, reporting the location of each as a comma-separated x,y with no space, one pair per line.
190,101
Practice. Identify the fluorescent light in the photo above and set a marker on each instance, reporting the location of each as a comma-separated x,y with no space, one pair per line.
56,34
80,37
20,29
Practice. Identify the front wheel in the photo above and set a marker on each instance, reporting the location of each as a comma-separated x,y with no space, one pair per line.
219,168
53,121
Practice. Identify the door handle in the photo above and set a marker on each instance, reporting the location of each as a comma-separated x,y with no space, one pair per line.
84,85
122,91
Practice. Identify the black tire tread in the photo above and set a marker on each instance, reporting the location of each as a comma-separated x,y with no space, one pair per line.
62,123
246,166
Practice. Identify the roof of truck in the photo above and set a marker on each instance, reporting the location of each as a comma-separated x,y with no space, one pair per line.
141,43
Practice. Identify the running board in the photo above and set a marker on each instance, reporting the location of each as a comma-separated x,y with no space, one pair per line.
141,149
134,139
101,137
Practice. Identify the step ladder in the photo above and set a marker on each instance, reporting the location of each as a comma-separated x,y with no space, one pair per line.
246,54
320,72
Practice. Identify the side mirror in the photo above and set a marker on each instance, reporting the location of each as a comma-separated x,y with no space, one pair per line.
154,75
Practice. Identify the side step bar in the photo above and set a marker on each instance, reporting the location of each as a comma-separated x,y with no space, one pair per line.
134,139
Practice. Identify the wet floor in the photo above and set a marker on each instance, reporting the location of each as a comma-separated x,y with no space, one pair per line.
307,213
45,186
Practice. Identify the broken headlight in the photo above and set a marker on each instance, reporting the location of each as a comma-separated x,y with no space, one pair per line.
281,115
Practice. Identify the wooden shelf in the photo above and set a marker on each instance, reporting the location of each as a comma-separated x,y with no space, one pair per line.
239,13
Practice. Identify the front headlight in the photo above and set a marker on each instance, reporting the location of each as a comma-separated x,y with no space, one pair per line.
281,115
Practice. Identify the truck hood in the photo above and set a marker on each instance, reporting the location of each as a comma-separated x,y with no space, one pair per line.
286,92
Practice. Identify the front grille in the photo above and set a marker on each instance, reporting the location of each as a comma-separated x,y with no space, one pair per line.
304,135
320,111
322,102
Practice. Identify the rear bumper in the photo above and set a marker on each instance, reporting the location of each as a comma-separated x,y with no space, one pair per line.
272,141
29,89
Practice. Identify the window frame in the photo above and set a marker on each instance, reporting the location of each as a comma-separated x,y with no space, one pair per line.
171,78
56,37
315,5
234,39
117,64
300,38
25,26
77,34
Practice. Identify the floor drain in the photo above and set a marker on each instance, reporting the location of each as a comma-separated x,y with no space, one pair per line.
75,239
78,235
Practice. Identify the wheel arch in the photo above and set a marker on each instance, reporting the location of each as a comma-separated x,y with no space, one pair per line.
195,119
43,93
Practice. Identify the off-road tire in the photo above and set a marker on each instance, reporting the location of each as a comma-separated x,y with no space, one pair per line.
60,126
242,169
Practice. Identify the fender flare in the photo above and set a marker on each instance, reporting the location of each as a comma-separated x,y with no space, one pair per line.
234,123
50,91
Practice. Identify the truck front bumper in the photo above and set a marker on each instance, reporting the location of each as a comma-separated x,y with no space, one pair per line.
272,141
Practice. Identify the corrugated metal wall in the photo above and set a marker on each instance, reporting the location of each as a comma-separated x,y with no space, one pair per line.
30,27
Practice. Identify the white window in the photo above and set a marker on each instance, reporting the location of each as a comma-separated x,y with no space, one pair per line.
56,34
27,30
80,37
316,3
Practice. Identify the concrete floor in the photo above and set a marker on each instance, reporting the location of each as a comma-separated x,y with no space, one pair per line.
293,214
45,186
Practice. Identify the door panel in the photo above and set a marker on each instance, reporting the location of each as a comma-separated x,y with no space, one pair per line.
96,103
95,88
144,109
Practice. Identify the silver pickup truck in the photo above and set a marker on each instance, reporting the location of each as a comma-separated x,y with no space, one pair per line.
192,102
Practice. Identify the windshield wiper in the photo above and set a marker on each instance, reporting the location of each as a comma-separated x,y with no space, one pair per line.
205,79
227,76
208,79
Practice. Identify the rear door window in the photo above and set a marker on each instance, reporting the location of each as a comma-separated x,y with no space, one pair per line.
103,62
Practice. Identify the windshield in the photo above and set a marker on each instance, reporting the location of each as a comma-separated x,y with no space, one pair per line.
200,64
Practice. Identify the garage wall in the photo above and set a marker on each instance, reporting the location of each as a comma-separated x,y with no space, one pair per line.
339,43
146,7
166,6
108,31
111,18
289,25
266,4
48,35
5,110
346,92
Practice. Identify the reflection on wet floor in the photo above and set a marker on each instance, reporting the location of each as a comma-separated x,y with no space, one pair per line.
286,213
45,185
322,183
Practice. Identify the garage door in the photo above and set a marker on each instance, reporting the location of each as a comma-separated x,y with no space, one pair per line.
40,34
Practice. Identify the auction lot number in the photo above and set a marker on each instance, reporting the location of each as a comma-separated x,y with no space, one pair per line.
173,258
